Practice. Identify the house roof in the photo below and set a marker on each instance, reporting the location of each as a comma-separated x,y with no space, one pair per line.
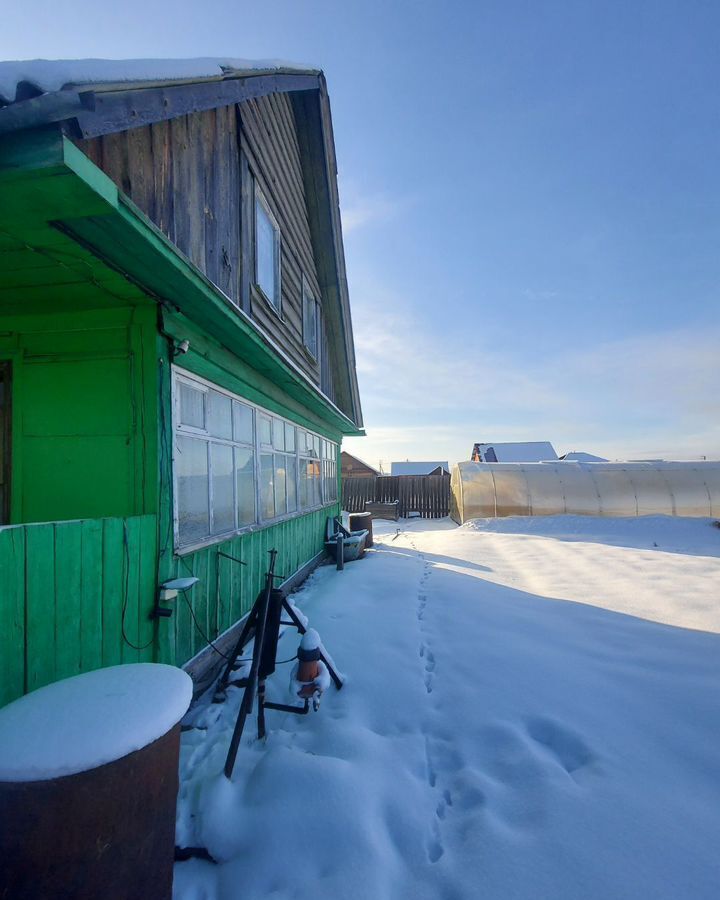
517,451
87,98
349,456
416,468
26,78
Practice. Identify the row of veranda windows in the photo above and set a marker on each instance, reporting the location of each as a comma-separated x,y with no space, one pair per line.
236,465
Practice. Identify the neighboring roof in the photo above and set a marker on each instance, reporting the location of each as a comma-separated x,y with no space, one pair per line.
24,78
516,451
580,456
416,468
344,455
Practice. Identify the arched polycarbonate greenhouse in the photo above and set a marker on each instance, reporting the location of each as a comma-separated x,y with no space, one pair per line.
481,490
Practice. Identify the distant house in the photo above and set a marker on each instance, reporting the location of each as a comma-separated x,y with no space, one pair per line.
419,468
352,467
580,456
516,451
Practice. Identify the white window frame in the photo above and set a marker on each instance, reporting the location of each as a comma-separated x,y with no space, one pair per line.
308,297
259,198
180,375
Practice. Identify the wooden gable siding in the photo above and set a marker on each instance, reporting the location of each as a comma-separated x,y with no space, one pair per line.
185,175
269,140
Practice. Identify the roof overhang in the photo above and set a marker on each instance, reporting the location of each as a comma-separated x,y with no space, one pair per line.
57,188
91,110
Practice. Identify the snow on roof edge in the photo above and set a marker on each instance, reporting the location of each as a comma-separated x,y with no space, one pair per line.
417,467
50,75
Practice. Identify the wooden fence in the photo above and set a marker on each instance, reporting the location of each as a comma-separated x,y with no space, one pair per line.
428,495
74,596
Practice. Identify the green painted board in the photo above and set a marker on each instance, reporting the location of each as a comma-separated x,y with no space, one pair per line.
12,613
91,590
40,606
112,596
68,598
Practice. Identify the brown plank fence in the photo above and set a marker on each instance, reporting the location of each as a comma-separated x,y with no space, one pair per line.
428,495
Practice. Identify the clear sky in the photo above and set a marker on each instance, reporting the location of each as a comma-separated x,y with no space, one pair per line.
531,204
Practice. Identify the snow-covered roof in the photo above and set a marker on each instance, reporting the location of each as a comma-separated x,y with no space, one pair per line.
581,456
516,451
416,468
22,78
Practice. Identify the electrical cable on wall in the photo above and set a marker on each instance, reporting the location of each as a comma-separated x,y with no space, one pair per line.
126,593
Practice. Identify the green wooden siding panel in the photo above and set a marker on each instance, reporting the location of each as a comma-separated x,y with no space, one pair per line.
113,588
40,606
12,614
85,399
68,598
91,589
227,590
147,592
73,477
64,594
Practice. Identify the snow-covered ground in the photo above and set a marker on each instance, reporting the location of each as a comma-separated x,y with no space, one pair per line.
492,740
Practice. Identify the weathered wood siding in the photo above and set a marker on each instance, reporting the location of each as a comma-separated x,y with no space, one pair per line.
75,595
184,174
269,140
188,177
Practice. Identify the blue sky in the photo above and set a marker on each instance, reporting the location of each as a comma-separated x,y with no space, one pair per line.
531,200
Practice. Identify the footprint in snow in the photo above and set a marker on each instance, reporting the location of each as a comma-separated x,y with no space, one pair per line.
568,748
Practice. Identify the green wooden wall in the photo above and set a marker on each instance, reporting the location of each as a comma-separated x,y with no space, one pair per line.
84,411
226,590
69,592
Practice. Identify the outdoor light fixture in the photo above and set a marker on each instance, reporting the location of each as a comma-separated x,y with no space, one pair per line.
181,348
168,591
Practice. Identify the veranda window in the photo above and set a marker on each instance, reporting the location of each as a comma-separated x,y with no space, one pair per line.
237,465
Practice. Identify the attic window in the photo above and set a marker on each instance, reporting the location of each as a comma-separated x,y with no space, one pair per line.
267,250
311,321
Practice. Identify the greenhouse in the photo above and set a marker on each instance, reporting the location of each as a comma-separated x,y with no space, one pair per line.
481,490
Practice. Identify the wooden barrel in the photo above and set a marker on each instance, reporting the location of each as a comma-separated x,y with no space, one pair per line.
78,823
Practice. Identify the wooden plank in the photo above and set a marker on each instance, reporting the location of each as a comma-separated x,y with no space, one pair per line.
40,605
147,587
119,110
226,202
246,224
12,613
160,135
113,591
91,589
68,598
130,590
211,167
